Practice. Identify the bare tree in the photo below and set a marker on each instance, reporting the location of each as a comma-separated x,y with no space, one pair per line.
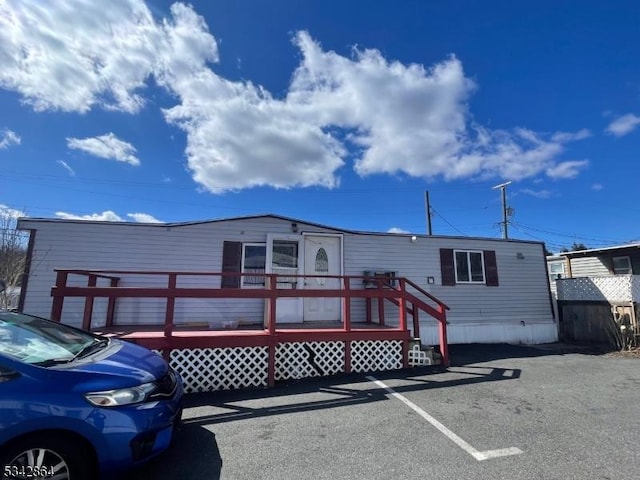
13,253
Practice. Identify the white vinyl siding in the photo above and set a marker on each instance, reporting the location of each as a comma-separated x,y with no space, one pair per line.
521,298
119,246
520,301
588,267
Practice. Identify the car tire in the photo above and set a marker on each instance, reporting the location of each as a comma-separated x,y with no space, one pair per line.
37,455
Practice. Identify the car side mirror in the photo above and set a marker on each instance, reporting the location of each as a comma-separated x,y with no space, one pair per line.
7,374
3,285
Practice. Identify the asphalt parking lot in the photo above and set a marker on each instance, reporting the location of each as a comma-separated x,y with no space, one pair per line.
501,412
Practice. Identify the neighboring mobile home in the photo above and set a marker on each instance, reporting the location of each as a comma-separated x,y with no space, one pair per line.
598,294
497,290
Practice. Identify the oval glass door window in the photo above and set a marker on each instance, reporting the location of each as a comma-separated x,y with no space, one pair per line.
322,261
322,264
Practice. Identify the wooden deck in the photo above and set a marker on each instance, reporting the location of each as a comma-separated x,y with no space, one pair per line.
200,336
282,349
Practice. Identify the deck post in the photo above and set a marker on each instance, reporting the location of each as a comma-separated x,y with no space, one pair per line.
111,306
271,366
58,298
416,321
444,346
346,305
271,325
368,305
271,318
403,306
171,303
405,354
88,303
347,356
380,303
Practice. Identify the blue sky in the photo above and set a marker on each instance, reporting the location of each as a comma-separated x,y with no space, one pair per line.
342,113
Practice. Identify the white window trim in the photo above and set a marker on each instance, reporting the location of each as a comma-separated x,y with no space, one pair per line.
455,267
242,270
554,275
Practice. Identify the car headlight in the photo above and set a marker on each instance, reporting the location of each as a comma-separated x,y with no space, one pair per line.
121,396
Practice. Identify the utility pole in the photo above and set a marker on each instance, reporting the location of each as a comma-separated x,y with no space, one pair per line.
428,207
505,222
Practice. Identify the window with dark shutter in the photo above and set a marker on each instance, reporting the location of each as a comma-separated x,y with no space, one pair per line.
491,268
231,263
447,267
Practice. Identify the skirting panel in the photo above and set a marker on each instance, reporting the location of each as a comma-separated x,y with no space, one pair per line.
376,355
210,369
296,360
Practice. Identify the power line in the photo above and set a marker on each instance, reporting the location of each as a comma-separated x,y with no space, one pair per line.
566,235
448,223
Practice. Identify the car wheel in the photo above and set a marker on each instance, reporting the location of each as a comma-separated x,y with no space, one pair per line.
46,457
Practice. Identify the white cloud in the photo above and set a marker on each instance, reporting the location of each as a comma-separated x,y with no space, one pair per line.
108,216
8,138
143,218
597,187
571,136
106,146
386,116
623,125
7,211
66,166
102,56
569,169
543,194
397,230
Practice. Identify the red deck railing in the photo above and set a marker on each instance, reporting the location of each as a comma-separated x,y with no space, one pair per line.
352,287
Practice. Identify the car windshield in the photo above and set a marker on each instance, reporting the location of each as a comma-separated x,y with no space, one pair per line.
42,342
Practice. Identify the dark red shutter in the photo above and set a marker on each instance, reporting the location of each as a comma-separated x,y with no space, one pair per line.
446,266
231,263
490,268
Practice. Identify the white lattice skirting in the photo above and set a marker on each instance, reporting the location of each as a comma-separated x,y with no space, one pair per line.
309,359
611,288
376,355
211,369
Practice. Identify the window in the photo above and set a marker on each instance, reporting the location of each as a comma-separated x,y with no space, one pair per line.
249,259
322,261
284,262
285,254
469,267
461,266
556,270
253,262
621,266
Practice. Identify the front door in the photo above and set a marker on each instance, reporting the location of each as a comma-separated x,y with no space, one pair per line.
322,257
283,259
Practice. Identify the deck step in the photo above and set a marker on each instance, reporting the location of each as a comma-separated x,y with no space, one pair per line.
422,355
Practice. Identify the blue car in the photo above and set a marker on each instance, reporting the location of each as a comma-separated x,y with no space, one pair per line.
74,405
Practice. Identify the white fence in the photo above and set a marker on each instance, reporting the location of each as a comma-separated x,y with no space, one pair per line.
610,288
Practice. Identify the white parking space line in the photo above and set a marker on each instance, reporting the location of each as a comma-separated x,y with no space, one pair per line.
478,455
